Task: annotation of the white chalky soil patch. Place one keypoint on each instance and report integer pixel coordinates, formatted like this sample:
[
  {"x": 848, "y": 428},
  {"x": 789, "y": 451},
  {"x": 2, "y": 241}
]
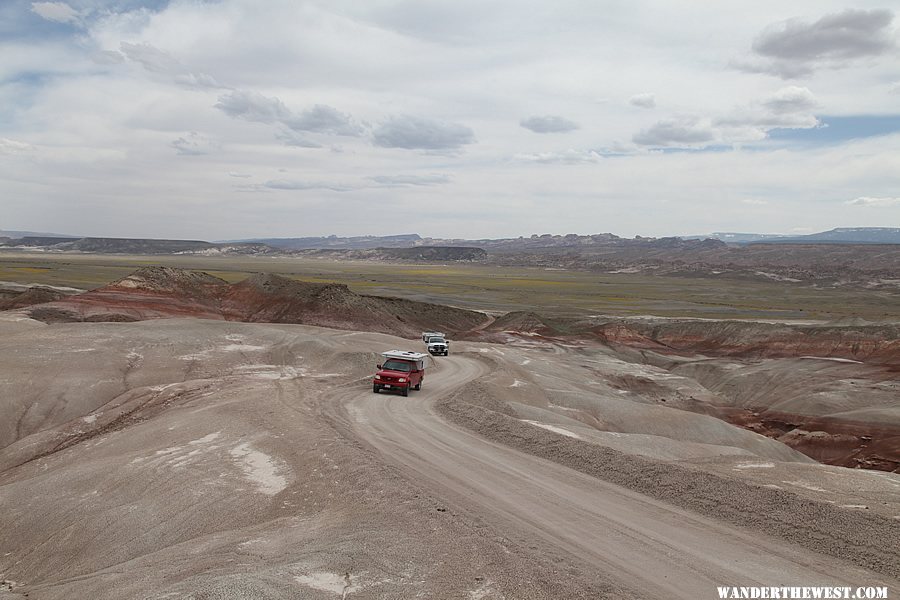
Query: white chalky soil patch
[
  {"x": 554, "y": 429},
  {"x": 242, "y": 348},
  {"x": 485, "y": 590},
  {"x": 260, "y": 468},
  {"x": 833, "y": 359},
  {"x": 805, "y": 485},
  {"x": 272, "y": 371},
  {"x": 205, "y": 439},
  {"x": 325, "y": 582}
]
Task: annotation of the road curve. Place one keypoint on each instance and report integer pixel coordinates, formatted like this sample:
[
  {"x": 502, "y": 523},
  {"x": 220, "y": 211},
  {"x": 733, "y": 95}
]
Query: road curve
[{"x": 653, "y": 548}]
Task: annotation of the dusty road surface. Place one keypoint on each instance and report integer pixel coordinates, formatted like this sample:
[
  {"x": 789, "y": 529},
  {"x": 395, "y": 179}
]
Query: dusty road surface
[
  {"x": 183, "y": 458},
  {"x": 652, "y": 548}
]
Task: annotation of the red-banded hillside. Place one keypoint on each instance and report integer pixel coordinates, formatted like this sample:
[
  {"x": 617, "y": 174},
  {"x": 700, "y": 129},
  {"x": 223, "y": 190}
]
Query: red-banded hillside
[{"x": 161, "y": 292}]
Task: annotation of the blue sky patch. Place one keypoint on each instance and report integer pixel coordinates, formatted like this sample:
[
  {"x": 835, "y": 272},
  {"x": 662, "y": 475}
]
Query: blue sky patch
[{"x": 840, "y": 129}]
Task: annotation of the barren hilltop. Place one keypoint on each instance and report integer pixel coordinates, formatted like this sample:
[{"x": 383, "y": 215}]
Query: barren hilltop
[{"x": 158, "y": 292}]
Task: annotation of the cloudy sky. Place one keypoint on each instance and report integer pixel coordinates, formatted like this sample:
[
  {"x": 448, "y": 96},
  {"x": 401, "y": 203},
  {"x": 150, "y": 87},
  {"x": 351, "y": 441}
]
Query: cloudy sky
[{"x": 449, "y": 118}]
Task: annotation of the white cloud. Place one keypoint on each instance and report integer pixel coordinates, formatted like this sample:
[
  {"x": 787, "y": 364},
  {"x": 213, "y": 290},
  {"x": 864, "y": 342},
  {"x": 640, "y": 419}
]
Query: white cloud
[
  {"x": 296, "y": 139},
  {"x": 751, "y": 123},
  {"x": 566, "y": 157},
  {"x": 108, "y": 57},
  {"x": 849, "y": 34},
  {"x": 158, "y": 61},
  {"x": 152, "y": 58},
  {"x": 874, "y": 202},
  {"x": 791, "y": 99},
  {"x": 294, "y": 128},
  {"x": 679, "y": 131},
  {"x": 783, "y": 69},
  {"x": 253, "y": 106},
  {"x": 8, "y": 146},
  {"x": 786, "y": 108},
  {"x": 288, "y": 184},
  {"x": 59, "y": 12},
  {"x": 420, "y": 133},
  {"x": 324, "y": 119},
  {"x": 796, "y": 47},
  {"x": 410, "y": 180},
  {"x": 549, "y": 124},
  {"x": 643, "y": 100},
  {"x": 194, "y": 144},
  {"x": 197, "y": 80}
]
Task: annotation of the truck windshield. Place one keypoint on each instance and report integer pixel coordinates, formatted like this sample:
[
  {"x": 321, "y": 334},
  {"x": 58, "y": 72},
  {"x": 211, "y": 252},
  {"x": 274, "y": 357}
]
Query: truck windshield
[
  {"x": 435, "y": 340},
  {"x": 397, "y": 365}
]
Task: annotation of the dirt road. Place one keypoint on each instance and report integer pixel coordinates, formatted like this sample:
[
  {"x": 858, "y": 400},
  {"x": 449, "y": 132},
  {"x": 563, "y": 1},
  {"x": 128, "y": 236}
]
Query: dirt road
[
  {"x": 196, "y": 459},
  {"x": 655, "y": 549}
]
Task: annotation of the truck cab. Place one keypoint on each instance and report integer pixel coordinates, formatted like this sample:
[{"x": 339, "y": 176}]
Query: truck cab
[
  {"x": 438, "y": 344},
  {"x": 401, "y": 371}
]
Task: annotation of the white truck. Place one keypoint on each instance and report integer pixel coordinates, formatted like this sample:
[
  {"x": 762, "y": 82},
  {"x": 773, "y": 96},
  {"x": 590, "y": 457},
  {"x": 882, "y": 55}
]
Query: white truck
[{"x": 436, "y": 342}]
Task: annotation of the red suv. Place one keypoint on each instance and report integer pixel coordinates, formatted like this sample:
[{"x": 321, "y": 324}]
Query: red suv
[{"x": 401, "y": 371}]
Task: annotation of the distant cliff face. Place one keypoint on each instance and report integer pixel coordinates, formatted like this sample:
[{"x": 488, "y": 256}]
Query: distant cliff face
[{"x": 133, "y": 246}]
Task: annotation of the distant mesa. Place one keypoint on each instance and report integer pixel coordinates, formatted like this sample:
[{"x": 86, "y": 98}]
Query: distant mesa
[
  {"x": 335, "y": 242},
  {"x": 438, "y": 253},
  {"x": 868, "y": 256},
  {"x": 384, "y": 244},
  {"x": 416, "y": 254},
  {"x": 21, "y": 234},
  {"x": 133, "y": 246},
  {"x": 840, "y": 235},
  {"x": 848, "y": 235},
  {"x": 676, "y": 243}
]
